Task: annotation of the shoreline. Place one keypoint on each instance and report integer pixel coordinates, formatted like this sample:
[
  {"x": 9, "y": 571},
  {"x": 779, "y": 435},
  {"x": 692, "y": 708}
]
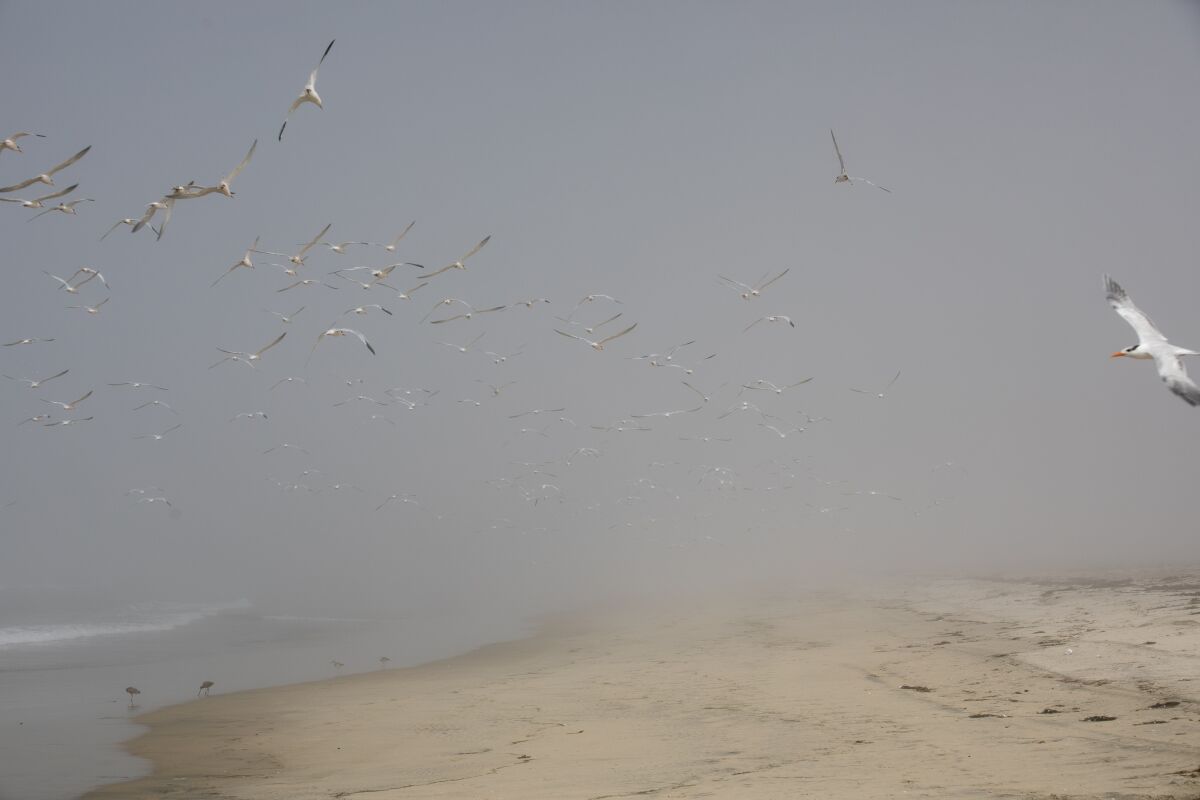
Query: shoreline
[{"x": 953, "y": 689}]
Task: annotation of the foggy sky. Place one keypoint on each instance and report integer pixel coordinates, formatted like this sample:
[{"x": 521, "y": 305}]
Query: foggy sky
[{"x": 636, "y": 150}]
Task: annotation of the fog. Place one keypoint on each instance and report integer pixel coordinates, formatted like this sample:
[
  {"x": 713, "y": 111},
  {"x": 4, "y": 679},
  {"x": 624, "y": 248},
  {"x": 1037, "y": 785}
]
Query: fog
[{"x": 633, "y": 150}]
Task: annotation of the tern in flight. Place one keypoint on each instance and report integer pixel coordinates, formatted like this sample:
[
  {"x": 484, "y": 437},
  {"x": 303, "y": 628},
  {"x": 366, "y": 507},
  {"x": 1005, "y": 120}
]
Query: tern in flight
[
  {"x": 461, "y": 263},
  {"x": 1153, "y": 344},
  {"x": 91, "y": 273},
  {"x": 66, "y": 208},
  {"x": 64, "y": 284},
  {"x": 223, "y": 186},
  {"x": 363, "y": 310},
  {"x": 244, "y": 262},
  {"x": 40, "y": 202},
  {"x": 11, "y": 142},
  {"x": 71, "y": 405},
  {"x": 67, "y": 421},
  {"x": 749, "y": 292},
  {"x": 882, "y": 394},
  {"x": 158, "y": 437},
  {"x": 165, "y": 205},
  {"x": 139, "y": 385},
  {"x": 597, "y": 346},
  {"x": 287, "y": 318},
  {"x": 391, "y": 248},
  {"x": 248, "y": 358},
  {"x": 35, "y": 384},
  {"x": 309, "y": 93},
  {"x": 25, "y": 341},
  {"x": 770, "y": 318},
  {"x": 298, "y": 258},
  {"x": 465, "y": 347},
  {"x": 92, "y": 309},
  {"x": 408, "y": 293},
  {"x": 130, "y": 221},
  {"x": 45, "y": 177},
  {"x": 842, "y": 176},
  {"x": 342, "y": 332}
]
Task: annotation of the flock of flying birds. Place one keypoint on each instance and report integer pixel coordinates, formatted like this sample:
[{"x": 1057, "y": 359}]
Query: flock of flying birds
[{"x": 575, "y": 324}]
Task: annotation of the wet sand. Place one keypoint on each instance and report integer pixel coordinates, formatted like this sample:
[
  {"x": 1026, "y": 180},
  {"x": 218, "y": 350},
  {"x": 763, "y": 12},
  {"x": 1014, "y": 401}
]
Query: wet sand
[{"x": 953, "y": 688}]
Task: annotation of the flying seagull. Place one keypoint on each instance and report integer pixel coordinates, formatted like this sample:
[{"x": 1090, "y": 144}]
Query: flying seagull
[
  {"x": 11, "y": 142},
  {"x": 842, "y": 176},
  {"x": 600, "y": 344},
  {"x": 461, "y": 263},
  {"x": 248, "y": 358},
  {"x": 309, "y": 93},
  {"x": 45, "y": 177},
  {"x": 1152, "y": 344},
  {"x": 40, "y": 202},
  {"x": 749, "y": 292}
]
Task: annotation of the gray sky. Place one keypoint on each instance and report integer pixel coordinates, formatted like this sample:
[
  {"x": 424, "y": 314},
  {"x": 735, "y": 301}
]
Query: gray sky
[{"x": 636, "y": 150}]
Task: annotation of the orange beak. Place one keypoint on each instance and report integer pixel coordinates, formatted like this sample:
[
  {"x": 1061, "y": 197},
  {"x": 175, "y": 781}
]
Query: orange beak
[{"x": 1118, "y": 354}]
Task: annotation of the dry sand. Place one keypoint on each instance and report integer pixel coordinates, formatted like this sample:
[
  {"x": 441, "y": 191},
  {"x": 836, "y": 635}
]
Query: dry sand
[{"x": 954, "y": 689}]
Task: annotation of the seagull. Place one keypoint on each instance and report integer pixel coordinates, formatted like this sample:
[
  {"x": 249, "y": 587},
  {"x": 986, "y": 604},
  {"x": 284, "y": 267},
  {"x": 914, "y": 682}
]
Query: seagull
[
  {"x": 45, "y": 177},
  {"x": 64, "y": 284},
  {"x": 298, "y": 258},
  {"x": 362, "y": 310},
  {"x": 245, "y": 262},
  {"x": 286, "y": 446},
  {"x": 309, "y": 94},
  {"x": 496, "y": 390},
  {"x": 404, "y": 497},
  {"x": 667, "y": 414},
  {"x": 703, "y": 397},
  {"x": 158, "y": 437},
  {"x": 92, "y": 309},
  {"x": 342, "y": 332},
  {"x": 25, "y": 341},
  {"x": 408, "y": 293},
  {"x": 529, "y": 303},
  {"x": 466, "y": 347},
  {"x": 66, "y": 208},
  {"x": 71, "y": 405},
  {"x": 223, "y": 186},
  {"x": 340, "y": 248},
  {"x": 500, "y": 358},
  {"x": 1153, "y": 344},
  {"x": 763, "y": 383},
  {"x": 68, "y": 422},
  {"x": 35, "y": 384},
  {"x": 471, "y": 310},
  {"x": 138, "y": 385},
  {"x": 770, "y": 318},
  {"x": 130, "y": 221},
  {"x": 38, "y": 418},
  {"x": 166, "y": 205},
  {"x": 206, "y": 685},
  {"x": 157, "y": 403},
  {"x": 778, "y": 432},
  {"x": 91, "y": 273},
  {"x": 597, "y": 346},
  {"x": 40, "y": 202},
  {"x": 461, "y": 263},
  {"x": 287, "y": 318},
  {"x": 749, "y": 292},
  {"x": 594, "y": 328},
  {"x": 288, "y": 380},
  {"x": 391, "y": 248},
  {"x": 842, "y": 176},
  {"x": 250, "y": 415},
  {"x": 248, "y": 358},
  {"x": 306, "y": 282},
  {"x": 11, "y": 142},
  {"x": 881, "y": 395}
]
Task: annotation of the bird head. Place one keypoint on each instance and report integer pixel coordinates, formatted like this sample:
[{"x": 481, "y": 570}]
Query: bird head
[{"x": 1131, "y": 351}]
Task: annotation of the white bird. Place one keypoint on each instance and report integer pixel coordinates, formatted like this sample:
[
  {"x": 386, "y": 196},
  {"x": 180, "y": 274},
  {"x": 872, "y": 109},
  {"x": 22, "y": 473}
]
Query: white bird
[
  {"x": 408, "y": 293},
  {"x": 1153, "y": 344},
  {"x": 764, "y": 384},
  {"x": 67, "y": 421},
  {"x": 40, "y": 202},
  {"x": 363, "y": 310},
  {"x": 466, "y": 347},
  {"x": 158, "y": 437},
  {"x": 309, "y": 93},
  {"x": 471, "y": 311},
  {"x": 880, "y": 395},
  {"x": 391, "y": 248},
  {"x": 288, "y": 380},
  {"x": 749, "y": 292},
  {"x": 248, "y": 358},
  {"x": 64, "y": 284},
  {"x": 496, "y": 390},
  {"x": 770, "y": 318},
  {"x": 286, "y": 446},
  {"x": 92, "y": 309},
  {"x": 223, "y": 186},
  {"x": 130, "y": 221},
  {"x": 91, "y": 274},
  {"x": 781, "y": 433},
  {"x": 11, "y": 142},
  {"x": 37, "y": 418},
  {"x": 500, "y": 358},
  {"x": 157, "y": 404},
  {"x": 842, "y": 176},
  {"x": 71, "y": 405},
  {"x": 245, "y": 262},
  {"x": 340, "y": 247},
  {"x": 530, "y": 302},
  {"x": 342, "y": 332},
  {"x": 667, "y": 414},
  {"x": 166, "y": 205},
  {"x": 594, "y": 328},
  {"x": 34, "y": 384},
  {"x": 597, "y": 346},
  {"x": 287, "y": 318},
  {"x": 298, "y": 258},
  {"x": 139, "y": 385},
  {"x": 461, "y": 263},
  {"x": 306, "y": 282},
  {"x": 404, "y": 497},
  {"x": 66, "y": 208},
  {"x": 25, "y": 341},
  {"x": 250, "y": 415},
  {"x": 45, "y": 177}
]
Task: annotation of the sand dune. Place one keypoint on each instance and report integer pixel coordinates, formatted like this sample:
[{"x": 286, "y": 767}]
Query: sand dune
[{"x": 953, "y": 689}]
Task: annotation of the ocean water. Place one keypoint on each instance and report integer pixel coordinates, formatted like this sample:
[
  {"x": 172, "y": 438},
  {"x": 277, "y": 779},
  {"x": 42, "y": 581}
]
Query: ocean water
[{"x": 63, "y": 707}]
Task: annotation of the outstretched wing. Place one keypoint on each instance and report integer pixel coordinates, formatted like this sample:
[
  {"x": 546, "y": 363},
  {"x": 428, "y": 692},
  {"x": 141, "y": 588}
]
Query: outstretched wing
[
  {"x": 70, "y": 160},
  {"x": 838, "y": 150},
  {"x": 237, "y": 170},
  {"x": 1145, "y": 329},
  {"x": 1171, "y": 370}
]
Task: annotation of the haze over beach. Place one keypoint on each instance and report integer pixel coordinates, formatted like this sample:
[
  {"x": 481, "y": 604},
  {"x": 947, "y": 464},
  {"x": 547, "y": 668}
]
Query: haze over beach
[{"x": 916, "y": 382}]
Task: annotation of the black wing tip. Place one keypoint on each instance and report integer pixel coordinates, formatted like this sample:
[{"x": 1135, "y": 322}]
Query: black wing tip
[
  {"x": 372, "y": 349},
  {"x": 281, "y": 127}
]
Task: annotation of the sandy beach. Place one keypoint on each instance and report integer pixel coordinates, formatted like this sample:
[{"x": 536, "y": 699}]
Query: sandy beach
[{"x": 1067, "y": 688}]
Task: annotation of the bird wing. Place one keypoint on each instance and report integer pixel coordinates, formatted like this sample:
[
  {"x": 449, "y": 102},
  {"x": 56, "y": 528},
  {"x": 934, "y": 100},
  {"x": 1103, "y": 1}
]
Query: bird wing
[
  {"x": 752, "y": 324},
  {"x": 361, "y": 338},
  {"x": 315, "y": 239},
  {"x": 616, "y": 335},
  {"x": 403, "y": 233},
  {"x": 52, "y": 377},
  {"x": 278, "y": 339},
  {"x": 116, "y": 225},
  {"x": 327, "y": 49},
  {"x": 238, "y": 169},
  {"x": 838, "y": 150},
  {"x": 1174, "y": 375},
  {"x": 571, "y": 335},
  {"x": 70, "y": 160},
  {"x": 1145, "y": 329},
  {"x": 738, "y": 284},
  {"x": 762, "y": 286},
  {"x": 162, "y": 228},
  {"x": 89, "y": 394},
  {"x": 59, "y": 193},
  {"x": 872, "y": 183},
  {"x": 476, "y": 248},
  {"x": 18, "y": 186}
]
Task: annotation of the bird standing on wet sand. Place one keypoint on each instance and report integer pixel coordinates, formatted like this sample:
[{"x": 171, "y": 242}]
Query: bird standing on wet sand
[
  {"x": 204, "y": 687},
  {"x": 131, "y": 691}
]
